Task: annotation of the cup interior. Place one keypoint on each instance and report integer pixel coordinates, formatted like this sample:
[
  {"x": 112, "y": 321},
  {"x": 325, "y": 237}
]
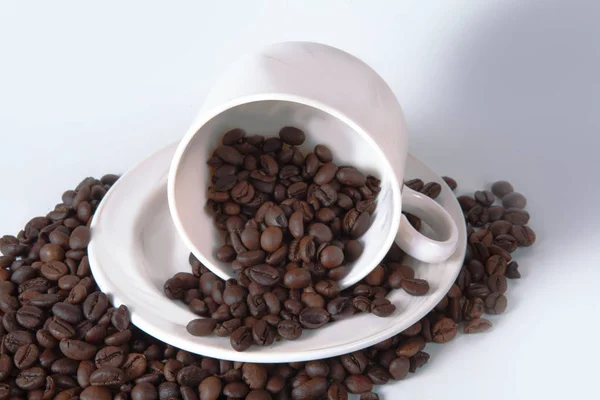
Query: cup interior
[{"x": 190, "y": 175}]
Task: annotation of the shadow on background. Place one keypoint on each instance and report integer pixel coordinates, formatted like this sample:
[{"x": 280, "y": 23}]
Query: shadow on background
[{"x": 522, "y": 97}]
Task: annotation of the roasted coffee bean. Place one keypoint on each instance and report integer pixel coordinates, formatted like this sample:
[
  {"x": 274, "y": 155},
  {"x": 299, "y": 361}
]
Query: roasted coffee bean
[
  {"x": 297, "y": 278},
  {"x": 292, "y": 136},
  {"x": 466, "y": 203},
  {"x": 450, "y": 182},
  {"x": 331, "y": 257},
  {"x": 523, "y": 235},
  {"x": 224, "y": 254},
  {"x": 314, "y": 388},
  {"x": 358, "y": 384},
  {"x": 323, "y": 153},
  {"x": 355, "y": 363},
  {"x": 95, "y": 305},
  {"x": 15, "y": 339},
  {"x": 350, "y": 176},
  {"x": 444, "y": 330},
  {"x": 67, "y": 312},
  {"x": 418, "y": 360},
  {"x": 432, "y": 189},
  {"x": 473, "y": 308},
  {"x": 77, "y": 350},
  {"x": 415, "y": 287},
  {"x": 514, "y": 200},
  {"x": 110, "y": 356},
  {"x": 31, "y": 379},
  {"x": 191, "y": 376},
  {"x": 477, "y": 270},
  {"x": 477, "y": 325},
  {"x": 484, "y": 197},
  {"x": 107, "y": 376},
  {"x": 478, "y": 216},
  {"x": 502, "y": 188},
  {"x": 477, "y": 290},
  {"x": 512, "y": 270},
  {"x": 241, "y": 339},
  {"x": 506, "y": 242},
  {"x": 250, "y": 258},
  {"x": 25, "y": 357},
  {"x": 382, "y": 307},
  {"x": 80, "y": 238},
  {"x": 495, "y": 303},
  {"x": 263, "y": 274},
  {"x": 495, "y": 213},
  {"x": 497, "y": 283},
  {"x": 337, "y": 391},
  {"x": 516, "y": 216},
  {"x": 495, "y": 265},
  {"x": 481, "y": 236},
  {"x": 29, "y": 316},
  {"x": 289, "y": 330},
  {"x": 120, "y": 318},
  {"x": 84, "y": 370},
  {"x": 313, "y": 318},
  {"x": 271, "y": 238}
]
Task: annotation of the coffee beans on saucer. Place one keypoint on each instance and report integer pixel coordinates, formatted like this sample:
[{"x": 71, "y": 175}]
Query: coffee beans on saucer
[{"x": 61, "y": 338}]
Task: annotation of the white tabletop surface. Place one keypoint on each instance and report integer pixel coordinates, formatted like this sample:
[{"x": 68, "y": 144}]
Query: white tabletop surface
[{"x": 491, "y": 90}]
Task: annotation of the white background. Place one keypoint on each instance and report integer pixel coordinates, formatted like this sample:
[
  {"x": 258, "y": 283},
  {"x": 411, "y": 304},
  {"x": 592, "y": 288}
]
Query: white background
[{"x": 490, "y": 89}]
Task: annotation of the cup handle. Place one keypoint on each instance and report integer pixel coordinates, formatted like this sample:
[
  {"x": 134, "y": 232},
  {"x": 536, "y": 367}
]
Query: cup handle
[{"x": 417, "y": 245}]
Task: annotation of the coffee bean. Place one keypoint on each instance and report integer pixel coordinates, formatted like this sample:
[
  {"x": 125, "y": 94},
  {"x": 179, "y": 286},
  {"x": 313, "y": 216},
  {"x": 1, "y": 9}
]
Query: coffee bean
[
  {"x": 473, "y": 308},
  {"x": 477, "y": 325},
  {"x": 31, "y": 379},
  {"x": 444, "y": 330},
  {"x": 358, "y": 384},
  {"x": 323, "y": 153},
  {"x": 77, "y": 350},
  {"x": 502, "y": 188},
  {"x": 495, "y": 265},
  {"x": 450, "y": 182},
  {"x": 481, "y": 236},
  {"x": 497, "y": 283},
  {"x": 516, "y": 216},
  {"x": 484, "y": 197},
  {"x": 210, "y": 388},
  {"x": 478, "y": 216},
  {"x": 80, "y": 238},
  {"x": 382, "y": 307},
  {"x": 495, "y": 303},
  {"x": 415, "y": 287},
  {"x": 466, "y": 203},
  {"x": 512, "y": 270},
  {"x": 331, "y": 257},
  {"x": 289, "y": 330},
  {"x": 311, "y": 389},
  {"x": 325, "y": 174},
  {"x": 432, "y": 189},
  {"x": 25, "y": 357},
  {"x": 477, "y": 290},
  {"x": 292, "y": 136},
  {"x": 107, "y": 376},
  {"x": 523, "y": 235},
  {"x": 95, "y": 305},
  {"x": 110, "y": 356},
  {"x": 236, "y": 390},
  {"x": 241, "y": 339},
  {"x": 191, "y": 376},
  {"x": 29, "y": 316},
  {"x": 250, "y": 258},
  {"x": 514, "y": 200},
  {"x": 96, "y": 393},
  {"x": 120, "y": 318},
  {"x": 297, "y": 278}
]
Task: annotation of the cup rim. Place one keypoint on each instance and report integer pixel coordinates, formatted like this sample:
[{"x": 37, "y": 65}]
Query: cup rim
[{"x": 206, "y": 115}]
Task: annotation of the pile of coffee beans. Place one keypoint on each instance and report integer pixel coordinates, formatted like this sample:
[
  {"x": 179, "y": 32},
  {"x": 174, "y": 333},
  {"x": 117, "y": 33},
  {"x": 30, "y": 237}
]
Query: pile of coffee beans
[
  {"x": 284, "y": 213},
  {"x": 62, "y": 339},
  {"x": 288, "y": 247}
]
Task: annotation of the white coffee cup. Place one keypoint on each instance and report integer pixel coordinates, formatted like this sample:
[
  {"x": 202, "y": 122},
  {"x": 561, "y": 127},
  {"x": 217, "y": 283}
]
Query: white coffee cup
[{"x": 337, "y": 100}]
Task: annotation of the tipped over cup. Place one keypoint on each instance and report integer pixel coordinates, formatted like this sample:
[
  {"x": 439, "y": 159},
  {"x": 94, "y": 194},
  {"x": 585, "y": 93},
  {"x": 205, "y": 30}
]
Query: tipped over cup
[{"x": 338, "y": 101}]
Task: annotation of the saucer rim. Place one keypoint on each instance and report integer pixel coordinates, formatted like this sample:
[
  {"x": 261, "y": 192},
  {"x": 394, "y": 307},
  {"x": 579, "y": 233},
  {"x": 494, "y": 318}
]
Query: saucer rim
[{"x": 142, "y": 321}]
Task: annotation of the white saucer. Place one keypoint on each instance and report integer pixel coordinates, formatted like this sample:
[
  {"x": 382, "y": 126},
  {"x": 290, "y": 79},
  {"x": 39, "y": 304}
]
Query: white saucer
[{"x": 135, "y": 249}]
